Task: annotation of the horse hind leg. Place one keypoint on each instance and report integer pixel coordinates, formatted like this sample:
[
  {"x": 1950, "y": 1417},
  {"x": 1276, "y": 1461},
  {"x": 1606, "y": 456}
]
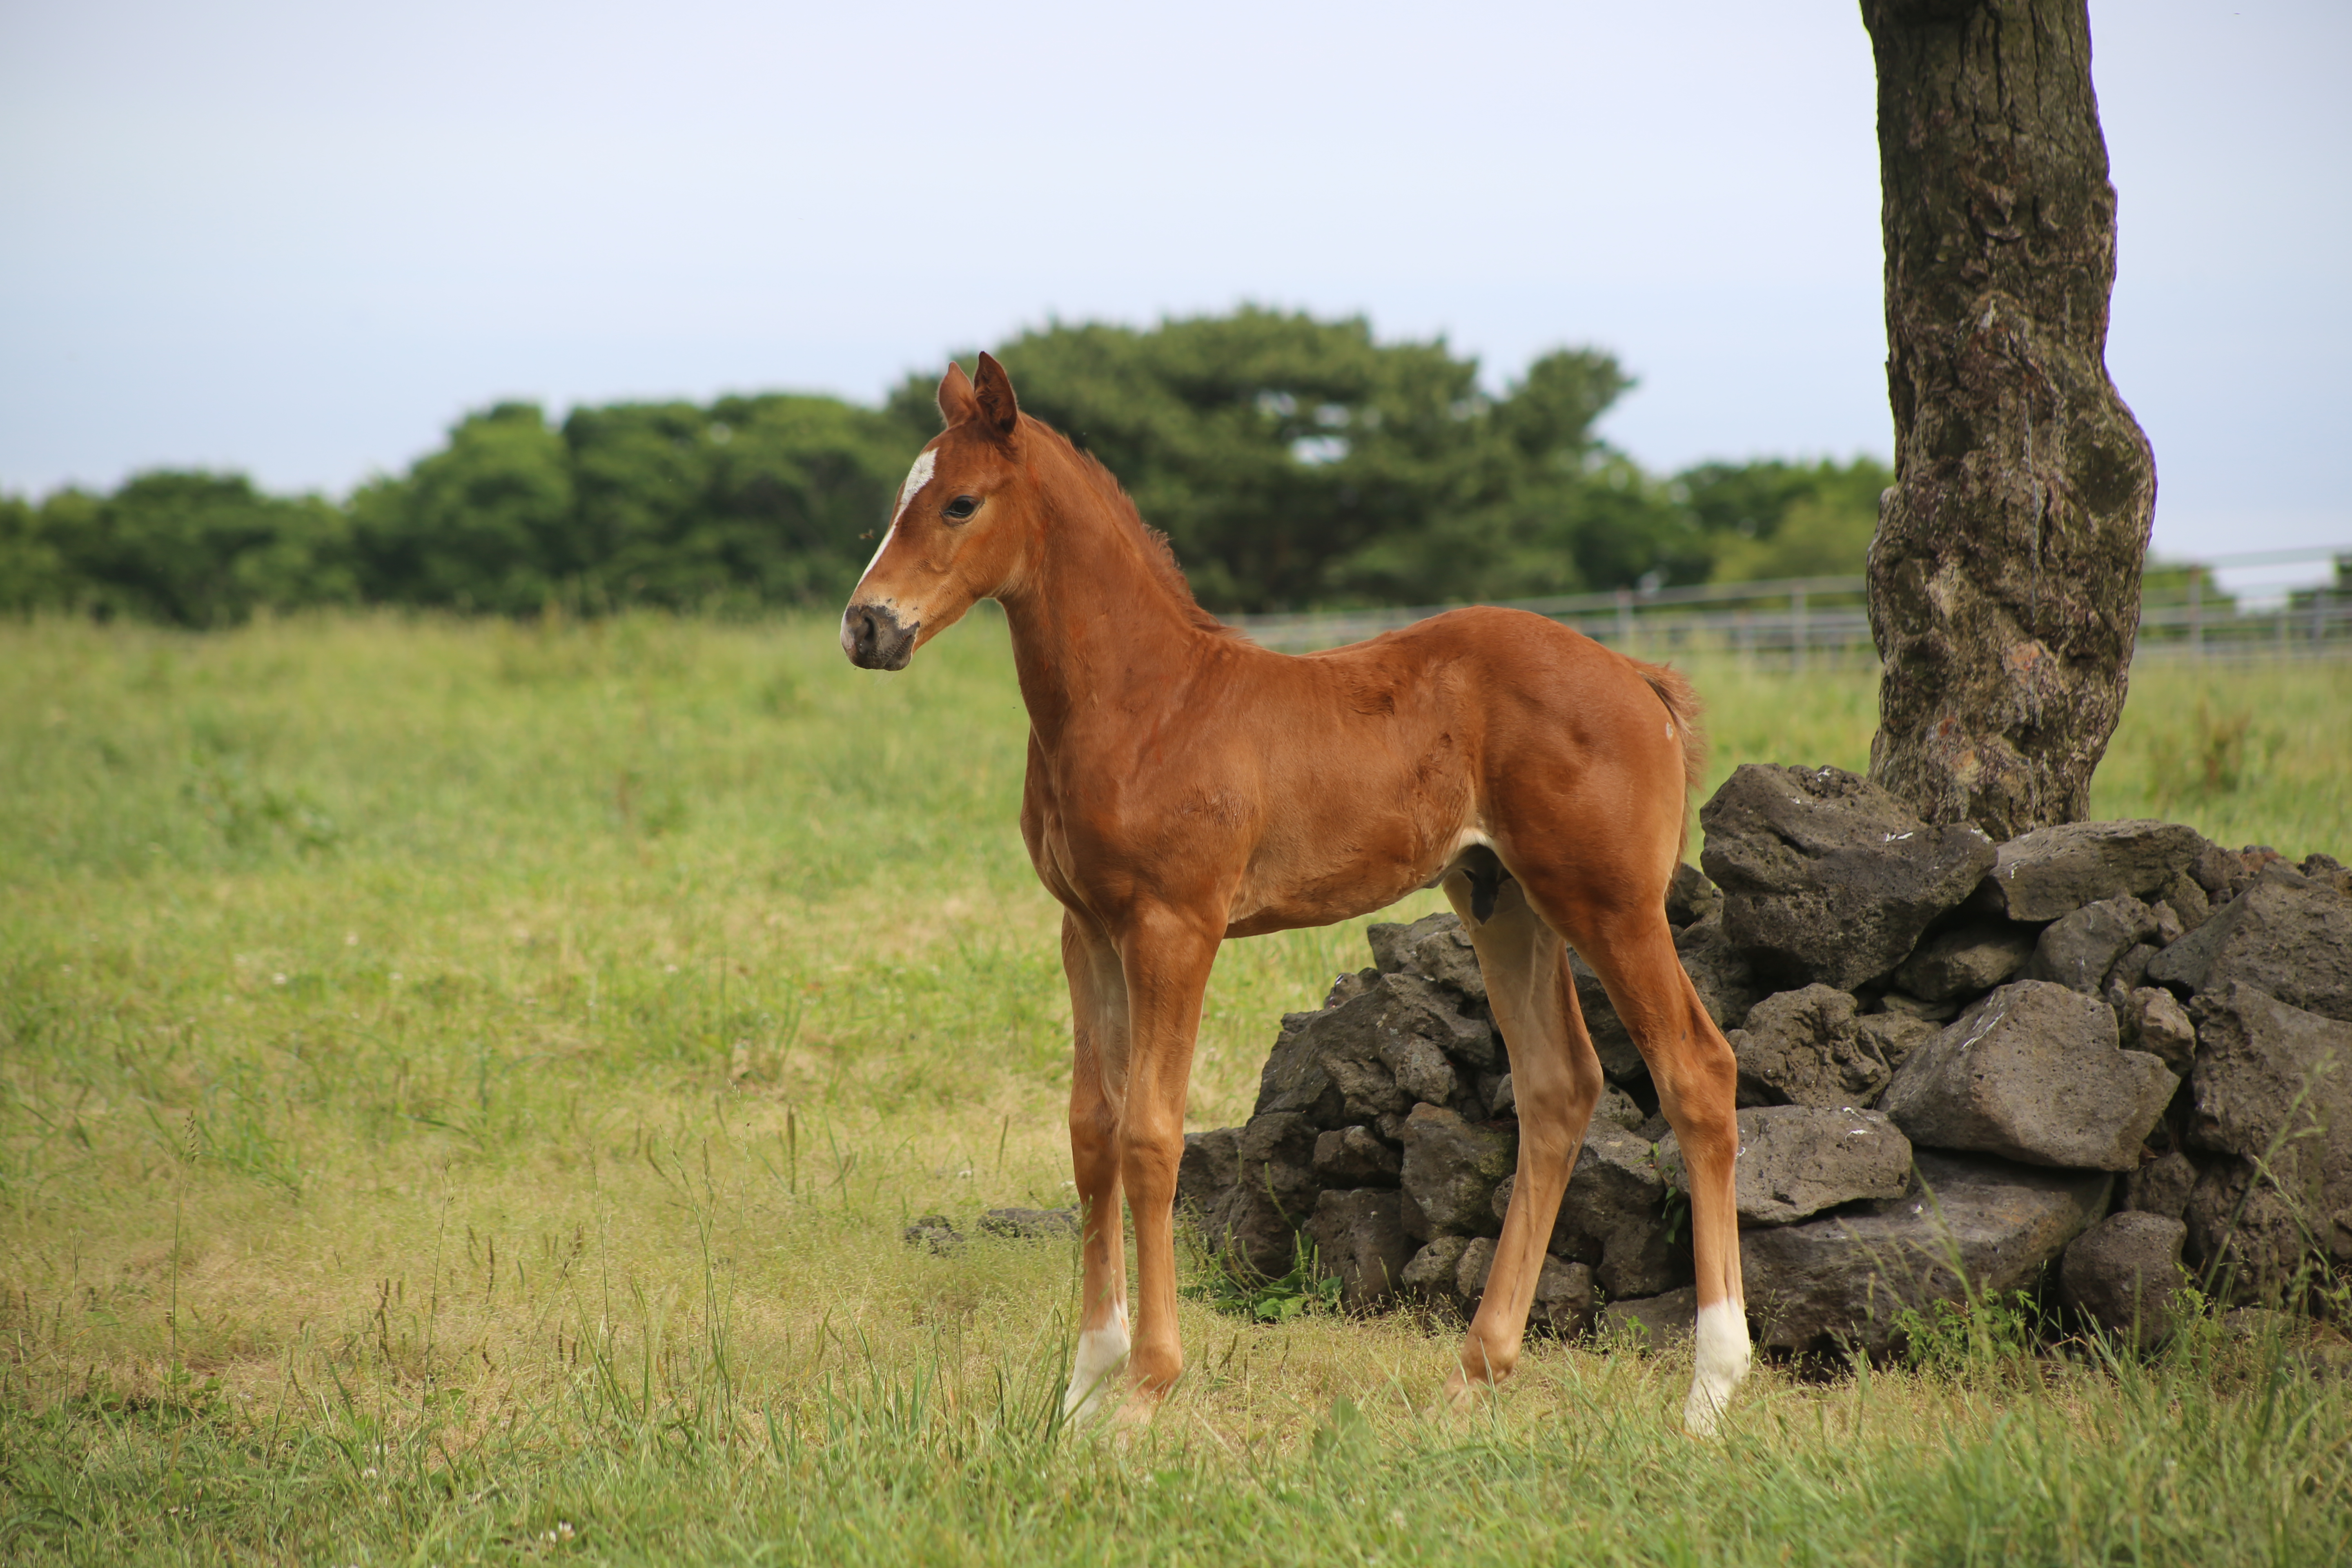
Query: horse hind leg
[
  {"x": 1556, "y": 1081},
  {"x": 1696, "y": 1077}
]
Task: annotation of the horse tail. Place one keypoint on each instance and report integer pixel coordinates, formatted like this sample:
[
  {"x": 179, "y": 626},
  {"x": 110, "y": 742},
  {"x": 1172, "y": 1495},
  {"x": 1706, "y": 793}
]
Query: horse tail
[{"x": 1683, "y": 708}]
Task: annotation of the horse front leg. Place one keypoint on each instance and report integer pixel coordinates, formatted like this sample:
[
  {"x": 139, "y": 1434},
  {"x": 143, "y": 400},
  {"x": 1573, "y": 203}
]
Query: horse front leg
[
  {"x": 1099, "y": 1014},
  {"x": 1167, "y": 955}
]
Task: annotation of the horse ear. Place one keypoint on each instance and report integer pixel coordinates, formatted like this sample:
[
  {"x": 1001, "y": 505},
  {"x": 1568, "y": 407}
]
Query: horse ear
[
  {"x": 955, "y": 395},
  {"x": 992, "y": 391}
]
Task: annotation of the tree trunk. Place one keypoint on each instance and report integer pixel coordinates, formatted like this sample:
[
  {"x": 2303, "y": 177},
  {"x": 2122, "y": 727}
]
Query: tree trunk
[{"x": 2004, "y": 579}]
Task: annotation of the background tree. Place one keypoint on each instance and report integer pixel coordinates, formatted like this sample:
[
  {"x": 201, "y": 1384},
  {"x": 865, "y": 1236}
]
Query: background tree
[
  {"x": 2004, "y": 579},
  {"x": 1296, "y": 462},
  {"x": 187, "y": 548}
]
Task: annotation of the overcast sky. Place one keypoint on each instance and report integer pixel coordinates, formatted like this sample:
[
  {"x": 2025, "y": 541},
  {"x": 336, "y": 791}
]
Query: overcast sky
[{"x": 300, "y": 239}]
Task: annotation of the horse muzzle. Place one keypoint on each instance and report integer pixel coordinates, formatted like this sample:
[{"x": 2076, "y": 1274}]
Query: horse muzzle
[{"x": 875, "y": 638}]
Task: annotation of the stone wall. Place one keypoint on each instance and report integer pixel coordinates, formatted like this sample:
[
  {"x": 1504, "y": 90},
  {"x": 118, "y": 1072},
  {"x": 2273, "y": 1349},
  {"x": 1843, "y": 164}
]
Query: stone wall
[{"x": 2112, "y": 1047}]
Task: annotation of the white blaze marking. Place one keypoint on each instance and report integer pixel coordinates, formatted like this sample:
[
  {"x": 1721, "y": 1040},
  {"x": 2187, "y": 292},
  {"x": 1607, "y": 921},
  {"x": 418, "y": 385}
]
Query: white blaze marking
[
  {"x": 1101, "y": 1353},
  {"x": 917, "y": 478},
  {"x": 1722, "y": 1363}
]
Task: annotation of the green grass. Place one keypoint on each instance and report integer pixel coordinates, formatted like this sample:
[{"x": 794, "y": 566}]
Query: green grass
[{"x": 460, "y": 1081}]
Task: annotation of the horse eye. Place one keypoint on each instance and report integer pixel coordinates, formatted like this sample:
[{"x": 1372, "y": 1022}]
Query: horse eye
[{"x": 961, "y": 509}]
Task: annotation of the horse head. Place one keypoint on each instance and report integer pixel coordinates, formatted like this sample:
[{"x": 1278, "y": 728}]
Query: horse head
[{"x": 960, "y": 533}]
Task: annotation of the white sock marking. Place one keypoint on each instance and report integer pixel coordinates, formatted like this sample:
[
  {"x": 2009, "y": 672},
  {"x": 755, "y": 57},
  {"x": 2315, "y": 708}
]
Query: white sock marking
[
  {"x": 1094, "y": 1378},
  {"x": 1722, "y": 1363}
]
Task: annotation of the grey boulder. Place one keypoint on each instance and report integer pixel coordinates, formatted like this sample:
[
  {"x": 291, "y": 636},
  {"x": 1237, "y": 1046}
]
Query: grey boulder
[
  {"x": 1431, "y": 1274},
  {"x": 2161, "y": 1186},
  {"x": 1435, "y": 947},
  {"x": 1377, "y": 1053},
  {"x": 1722, "y": 976},
  {"x": 2077, "y": 950},
  {"x": 1359, "y": 1236},
  {"x": 2151, "y": 1020},
  {"x": 1844, "y": 1278},
  {"x": 1807, "y": 1047},
  {"x": 2051, "y": 871},
  {"x": 1966, "y": 960},
  {"x": 2033, "y": 1073},
  {"x": 1690, "y": 896},
  {"x": 1827, "y": 877},
  {"x": 1796, "y": 1160},
  {"x": 2273, "y": 1084},
  {"x": 1252, "y": 1187},
  {"x": 1653, "y": 1322},
  {"x": 2124, "y": 1274},
  {"x": 1353, "y": 1157},
  {"x": 1451, "y": 1169},
  {"x": 2289, "y": 935},
  {"x": 1613, "y": 1216}
]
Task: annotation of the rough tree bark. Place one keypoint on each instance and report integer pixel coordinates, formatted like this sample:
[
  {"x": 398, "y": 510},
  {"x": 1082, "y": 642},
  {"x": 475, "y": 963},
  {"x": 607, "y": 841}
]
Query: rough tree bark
[{"x": 2004, "y": 579}]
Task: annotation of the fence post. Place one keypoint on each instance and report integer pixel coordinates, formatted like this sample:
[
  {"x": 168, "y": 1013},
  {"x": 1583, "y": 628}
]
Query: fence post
[
  {"x": 2196, "y": 613},
  {"x": 1625, "y": 620},
  {"x": 1796, "y": 629},
  {"x": 2318, "y": 620}
]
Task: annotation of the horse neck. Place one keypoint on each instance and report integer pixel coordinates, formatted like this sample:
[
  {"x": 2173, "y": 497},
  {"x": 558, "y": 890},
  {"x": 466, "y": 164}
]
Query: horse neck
[{"x": 1093, "y": 623}]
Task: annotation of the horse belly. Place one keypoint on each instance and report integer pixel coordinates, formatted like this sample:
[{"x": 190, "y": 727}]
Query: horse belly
[{"x": 1345, "y": 845}]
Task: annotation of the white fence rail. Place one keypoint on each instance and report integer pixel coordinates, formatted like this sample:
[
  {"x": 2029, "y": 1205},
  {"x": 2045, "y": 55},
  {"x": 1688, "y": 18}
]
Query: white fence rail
[{"x": 1792, "y": 622}]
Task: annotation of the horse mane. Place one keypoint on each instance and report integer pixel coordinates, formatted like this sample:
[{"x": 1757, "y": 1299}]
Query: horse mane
[{"x": 1158, "y": 555}]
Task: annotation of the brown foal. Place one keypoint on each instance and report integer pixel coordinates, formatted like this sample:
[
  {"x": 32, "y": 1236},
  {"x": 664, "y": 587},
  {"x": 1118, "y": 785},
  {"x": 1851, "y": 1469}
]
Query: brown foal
[{"x": 1186, "y": 785}]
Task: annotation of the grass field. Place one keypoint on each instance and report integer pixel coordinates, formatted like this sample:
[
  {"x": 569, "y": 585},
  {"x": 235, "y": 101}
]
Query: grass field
[{"x": 461, "y": 1085}]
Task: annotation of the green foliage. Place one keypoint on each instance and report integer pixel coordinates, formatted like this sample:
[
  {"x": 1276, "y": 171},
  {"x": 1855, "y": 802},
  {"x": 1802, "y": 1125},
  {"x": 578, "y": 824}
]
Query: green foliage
[
  {"x": 1979, "y": 1335},
  {"x": 1232, "y": 1287},
  {"x": 1296, "y": 462},
  {"x": 189, "y": 549},
  {"x": 1773, "y": 519},
  {"x": 1293, "y": 462}
]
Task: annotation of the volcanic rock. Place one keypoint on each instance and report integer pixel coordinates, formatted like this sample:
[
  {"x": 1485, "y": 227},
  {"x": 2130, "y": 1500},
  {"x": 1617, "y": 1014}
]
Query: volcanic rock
[
  {"x": 1355, "y": 1157},
  {"x": 1451, "y": 1169},
  {"x": 1613, "y": 1215},
  {"x": 2124, "y": 1274},
  {"x": 1377, "y": 1053},
  {"x": 1435, "y": 947},
  {"x": 2161, "y": 1186},
  {"x": 1359, "y": 1236},
  {"x": 2077, "y": 950},
  {"x": 2051, "y": 871},
  {"x": 1966, "y": 960},
  {"x": 1827, "y": 877},
  {"x": 1564, "y": 1298},
  {"x": 1654, "y": 1322},
  {"x": 2252, "y": 1241},
  {"x": 1843, "y": 1278},
  {"x": 1431, "y": 1276},
  {"x": 1806, "y": 1047},
  {"x": 2152, "y": 1021},
  {"x": 1892, "y": 1036},
  {"x": 2033, "y": 1073},
  {"x": 1690, "y": 896},
  {"x": 1725, "y": 980},
  {"x": 2288, "y": 936},
  {"x": 2272, "y": 1083},
  {"x": 1797, "y": 1160}
]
